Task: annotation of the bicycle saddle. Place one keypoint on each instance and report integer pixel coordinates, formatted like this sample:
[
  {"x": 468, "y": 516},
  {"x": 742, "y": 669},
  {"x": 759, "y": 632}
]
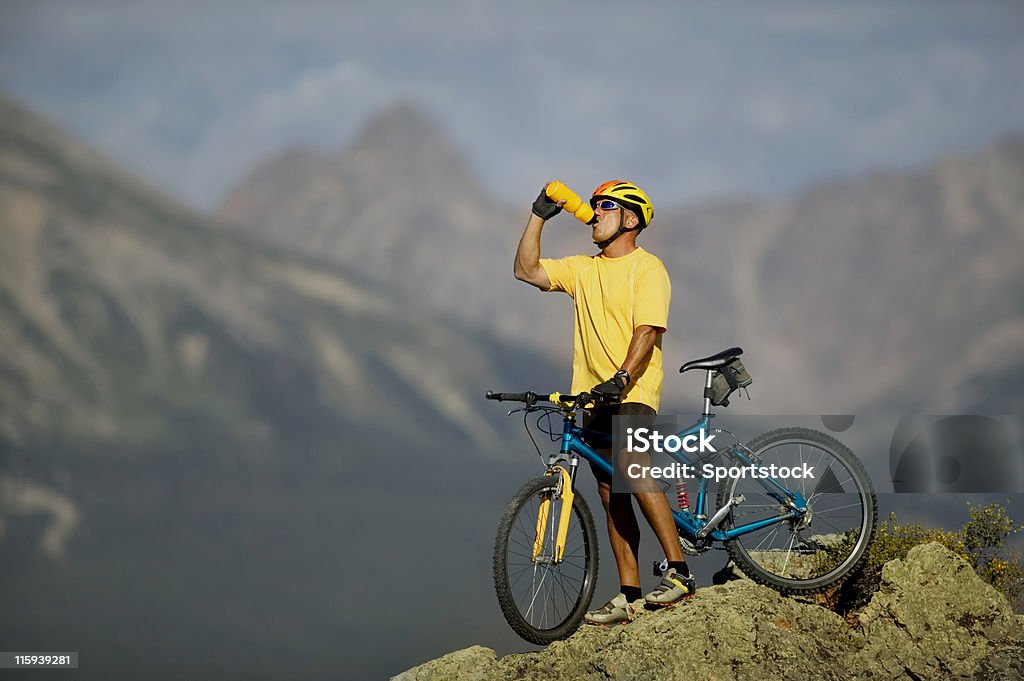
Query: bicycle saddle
[{"x": 716, "y": 361}]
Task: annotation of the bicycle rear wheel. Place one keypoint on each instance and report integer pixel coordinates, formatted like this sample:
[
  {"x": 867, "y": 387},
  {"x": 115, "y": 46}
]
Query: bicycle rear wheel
[
  {"x": 818, "y": 550},
  {"x": 544, "y": 600}
]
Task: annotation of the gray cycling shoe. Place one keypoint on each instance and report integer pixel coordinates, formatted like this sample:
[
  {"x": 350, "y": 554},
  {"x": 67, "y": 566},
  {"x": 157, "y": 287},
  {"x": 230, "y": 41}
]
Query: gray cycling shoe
[
  {"x": 614, "y": 611},
  {"x": 673, "y": 588}
]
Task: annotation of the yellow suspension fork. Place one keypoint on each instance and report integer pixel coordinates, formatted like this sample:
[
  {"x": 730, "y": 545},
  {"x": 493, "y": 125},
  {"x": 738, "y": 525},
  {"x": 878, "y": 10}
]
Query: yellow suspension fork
[{"x": 566, "y": 498}]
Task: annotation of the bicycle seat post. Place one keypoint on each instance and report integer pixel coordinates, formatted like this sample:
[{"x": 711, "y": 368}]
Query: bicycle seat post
[{"x": 707, "y": 393}]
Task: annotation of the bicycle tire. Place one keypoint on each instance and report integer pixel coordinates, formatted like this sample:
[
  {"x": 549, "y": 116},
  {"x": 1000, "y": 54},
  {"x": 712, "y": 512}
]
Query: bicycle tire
[
  {"x": 566, "y": 588},
  {"x": 823, "y": 560}
]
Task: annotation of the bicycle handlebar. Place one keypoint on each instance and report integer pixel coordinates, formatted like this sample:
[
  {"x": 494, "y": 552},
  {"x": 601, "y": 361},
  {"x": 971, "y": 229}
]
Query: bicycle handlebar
[{"x": 564, "y": 401}]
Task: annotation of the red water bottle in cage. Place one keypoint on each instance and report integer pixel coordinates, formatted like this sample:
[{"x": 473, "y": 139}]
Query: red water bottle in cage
[{"x": 682, "y": 496}]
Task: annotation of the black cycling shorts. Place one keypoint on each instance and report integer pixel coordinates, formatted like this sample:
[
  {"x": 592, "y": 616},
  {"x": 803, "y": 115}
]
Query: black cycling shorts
[{"x": 600, "y": 420}]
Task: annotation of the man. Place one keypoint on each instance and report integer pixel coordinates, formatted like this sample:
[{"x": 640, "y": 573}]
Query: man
[{"x": 621, "y": 299}]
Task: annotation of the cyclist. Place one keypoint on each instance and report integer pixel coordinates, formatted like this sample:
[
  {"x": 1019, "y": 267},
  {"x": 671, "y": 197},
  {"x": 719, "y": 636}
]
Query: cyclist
[{"x": 621, "y": 299}]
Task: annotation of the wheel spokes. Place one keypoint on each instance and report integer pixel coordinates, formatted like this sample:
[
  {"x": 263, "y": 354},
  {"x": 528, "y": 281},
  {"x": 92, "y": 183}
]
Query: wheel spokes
[
  {"x": 839, "y": 515},
  {"x": 554, "y": 589}
]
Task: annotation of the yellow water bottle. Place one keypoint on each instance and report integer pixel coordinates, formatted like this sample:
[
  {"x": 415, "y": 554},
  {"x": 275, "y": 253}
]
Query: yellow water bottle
[{"x": 557, "y": 191}]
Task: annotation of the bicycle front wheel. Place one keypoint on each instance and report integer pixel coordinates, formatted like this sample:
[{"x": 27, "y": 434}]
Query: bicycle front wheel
[
  {"x": 544, "y": 598},
  {"x": 818, "y": 549}
]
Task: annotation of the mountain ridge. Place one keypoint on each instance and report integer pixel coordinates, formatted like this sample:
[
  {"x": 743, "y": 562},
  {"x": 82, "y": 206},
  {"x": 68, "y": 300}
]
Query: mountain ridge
[
  {"x": 199, "y": 429},
  {"x": 892, "y": 254},
  {"x": 78, "y": 228}
]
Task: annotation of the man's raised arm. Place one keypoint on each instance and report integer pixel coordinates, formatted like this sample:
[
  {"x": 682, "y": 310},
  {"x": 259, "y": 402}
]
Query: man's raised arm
[{"x": 527, "y": 265}]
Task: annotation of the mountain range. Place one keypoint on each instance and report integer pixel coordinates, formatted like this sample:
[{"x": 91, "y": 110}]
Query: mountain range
[
  {"x": 206, "y": 438},
  {"x": 122, "y": 307},
  {"x": 895, "y": 290}
]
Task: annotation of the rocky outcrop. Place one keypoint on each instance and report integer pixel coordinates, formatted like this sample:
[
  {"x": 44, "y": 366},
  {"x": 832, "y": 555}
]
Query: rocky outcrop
[{"x": 932, "y": 618}]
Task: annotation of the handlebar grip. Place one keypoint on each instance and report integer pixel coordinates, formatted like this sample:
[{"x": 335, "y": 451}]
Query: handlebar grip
[
  {"x": 582, "y": 400},
  {"x": 506, "y": 397}
]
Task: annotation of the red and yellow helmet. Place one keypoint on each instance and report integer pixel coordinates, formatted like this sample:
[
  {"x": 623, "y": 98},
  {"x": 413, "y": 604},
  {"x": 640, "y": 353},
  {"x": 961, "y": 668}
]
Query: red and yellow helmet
[{"x": 628, "y": 195}]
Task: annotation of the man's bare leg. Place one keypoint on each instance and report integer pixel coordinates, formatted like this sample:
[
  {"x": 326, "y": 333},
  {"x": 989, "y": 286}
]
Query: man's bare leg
[
  {"x": 659, "y": 515},
  {"x": 655, "y": 508},
  {"x": 623, "y": 533}
]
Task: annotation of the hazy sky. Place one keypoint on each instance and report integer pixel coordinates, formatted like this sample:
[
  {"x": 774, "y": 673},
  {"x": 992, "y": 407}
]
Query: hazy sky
[{"x": 692, "y": 100}]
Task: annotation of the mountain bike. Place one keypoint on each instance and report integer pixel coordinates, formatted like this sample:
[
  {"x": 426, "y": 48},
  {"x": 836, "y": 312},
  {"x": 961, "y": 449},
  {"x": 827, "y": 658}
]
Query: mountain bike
[{"x": 798, "y": 536}]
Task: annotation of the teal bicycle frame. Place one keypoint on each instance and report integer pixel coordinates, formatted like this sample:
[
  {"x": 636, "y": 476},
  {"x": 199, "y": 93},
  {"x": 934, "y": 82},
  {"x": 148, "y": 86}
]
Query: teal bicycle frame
[{"x": 693, "y": 526}]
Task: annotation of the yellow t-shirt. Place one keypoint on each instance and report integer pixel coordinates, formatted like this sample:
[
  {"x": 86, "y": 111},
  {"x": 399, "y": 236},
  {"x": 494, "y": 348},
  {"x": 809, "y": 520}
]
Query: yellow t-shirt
[{"x": 612, "y": 297}]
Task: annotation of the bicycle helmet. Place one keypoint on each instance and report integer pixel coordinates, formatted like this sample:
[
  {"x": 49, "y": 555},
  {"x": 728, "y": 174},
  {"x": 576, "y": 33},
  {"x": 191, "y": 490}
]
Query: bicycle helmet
[{"x": 628, "y": 195}]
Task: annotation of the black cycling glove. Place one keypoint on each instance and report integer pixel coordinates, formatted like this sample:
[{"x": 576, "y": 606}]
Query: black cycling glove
[
  {"x": 544, "y": 207},
  {"x": 613, "y": 388}
]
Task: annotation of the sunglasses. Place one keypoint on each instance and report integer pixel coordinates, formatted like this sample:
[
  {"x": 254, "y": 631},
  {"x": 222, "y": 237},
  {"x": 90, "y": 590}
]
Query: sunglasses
[{"x": 604, "y": 204}]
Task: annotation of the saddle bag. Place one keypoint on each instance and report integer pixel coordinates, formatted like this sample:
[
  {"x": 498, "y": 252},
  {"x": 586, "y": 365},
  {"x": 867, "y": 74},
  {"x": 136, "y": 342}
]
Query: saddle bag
[{"x": 728, "y": 380}]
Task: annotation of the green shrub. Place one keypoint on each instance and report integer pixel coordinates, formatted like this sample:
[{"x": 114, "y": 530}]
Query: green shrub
[
  {"x": 981, "y": 542},
  {"x": 984, "y": 540}
]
